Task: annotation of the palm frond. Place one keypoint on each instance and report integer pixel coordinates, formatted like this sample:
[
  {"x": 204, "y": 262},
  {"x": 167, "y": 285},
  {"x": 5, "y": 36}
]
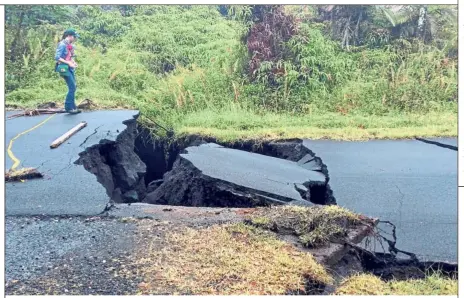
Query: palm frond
[{"x": 398, "y": 17}]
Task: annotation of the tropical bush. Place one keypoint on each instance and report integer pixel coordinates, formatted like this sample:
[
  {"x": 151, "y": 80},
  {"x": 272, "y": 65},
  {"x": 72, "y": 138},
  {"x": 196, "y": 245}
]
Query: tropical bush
[{"x": 178, "y": 59}]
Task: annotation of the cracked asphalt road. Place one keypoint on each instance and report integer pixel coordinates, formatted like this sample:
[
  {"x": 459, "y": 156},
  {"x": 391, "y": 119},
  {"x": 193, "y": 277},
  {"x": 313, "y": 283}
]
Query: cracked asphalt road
[
  {"x": 66, "y": 188},
  {"x": 411, "y": 183}
]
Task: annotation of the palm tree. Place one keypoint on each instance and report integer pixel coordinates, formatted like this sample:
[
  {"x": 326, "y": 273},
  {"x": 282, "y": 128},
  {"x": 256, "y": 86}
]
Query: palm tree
[
  {"x": 417, "y": 21},
  {"x": 352, "y": 23}
]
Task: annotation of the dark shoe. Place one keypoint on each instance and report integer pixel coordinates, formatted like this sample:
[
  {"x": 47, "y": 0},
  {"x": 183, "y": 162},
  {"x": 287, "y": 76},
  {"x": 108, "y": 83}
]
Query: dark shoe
[{"x": 73, "y": 111}]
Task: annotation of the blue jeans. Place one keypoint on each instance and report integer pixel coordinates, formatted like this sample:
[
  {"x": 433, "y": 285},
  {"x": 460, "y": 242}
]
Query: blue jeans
[{"x": 70, "y": 103}]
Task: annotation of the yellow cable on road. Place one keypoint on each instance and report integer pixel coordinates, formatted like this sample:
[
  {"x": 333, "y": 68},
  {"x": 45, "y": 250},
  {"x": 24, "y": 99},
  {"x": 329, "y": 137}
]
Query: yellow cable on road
[{"x": 10, "y": 153}]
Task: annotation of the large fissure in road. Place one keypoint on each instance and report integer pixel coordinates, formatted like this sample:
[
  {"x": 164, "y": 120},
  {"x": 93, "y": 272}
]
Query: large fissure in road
[
  {"x": 199, "y": 171},
  {"x": 116, "y": 166}
]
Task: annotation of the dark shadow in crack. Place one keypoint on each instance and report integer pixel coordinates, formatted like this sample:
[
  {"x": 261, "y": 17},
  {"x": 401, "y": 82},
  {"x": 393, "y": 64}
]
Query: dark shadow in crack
[{"x": 455, "y": 148}]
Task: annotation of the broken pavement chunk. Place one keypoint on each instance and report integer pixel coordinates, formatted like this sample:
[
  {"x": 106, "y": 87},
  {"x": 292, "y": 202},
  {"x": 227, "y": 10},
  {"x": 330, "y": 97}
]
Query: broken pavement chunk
[
  {"x": 117, "y": 166},
  {"x": 154, "y": 185},
  {"x": 305, "y": 159},
  {"x": 310, "y": 163},
  {"x": 213, "y": 175}
]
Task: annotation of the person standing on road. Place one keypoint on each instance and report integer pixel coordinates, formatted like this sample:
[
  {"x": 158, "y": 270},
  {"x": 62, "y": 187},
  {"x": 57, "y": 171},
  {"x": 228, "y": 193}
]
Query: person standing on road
[{"x": 66, "y": 66}]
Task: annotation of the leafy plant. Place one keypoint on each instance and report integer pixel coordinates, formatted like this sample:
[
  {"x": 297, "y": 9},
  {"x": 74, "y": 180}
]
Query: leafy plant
[{"x": 174, "y": 61}]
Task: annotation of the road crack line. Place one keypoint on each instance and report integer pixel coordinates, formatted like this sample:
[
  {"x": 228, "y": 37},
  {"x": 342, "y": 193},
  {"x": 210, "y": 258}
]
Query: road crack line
[
  {"x": 65, "y": 168},
  {"x": 87, "y": 138},
  {"x": 401, "y": 204},
  {"x": 451, "y": 147}
]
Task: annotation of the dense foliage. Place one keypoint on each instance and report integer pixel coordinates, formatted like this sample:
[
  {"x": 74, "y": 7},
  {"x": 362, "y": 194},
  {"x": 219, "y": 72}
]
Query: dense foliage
[{"x": 297, "y": 59}]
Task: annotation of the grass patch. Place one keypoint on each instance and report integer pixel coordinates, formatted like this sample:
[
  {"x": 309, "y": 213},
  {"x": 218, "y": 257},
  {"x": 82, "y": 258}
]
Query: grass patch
[
  {"x": 367, "y": 284},
  {"x": 235, "y": 123},
  {"x": 314, "y": 226},
  {"x": 226, "y": 260},
  {"x": 241, "y": 124}
]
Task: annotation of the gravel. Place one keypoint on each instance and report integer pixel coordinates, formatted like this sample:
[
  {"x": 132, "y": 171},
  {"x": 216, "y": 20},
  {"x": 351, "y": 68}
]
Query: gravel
[{"x": 77, "y": 248}]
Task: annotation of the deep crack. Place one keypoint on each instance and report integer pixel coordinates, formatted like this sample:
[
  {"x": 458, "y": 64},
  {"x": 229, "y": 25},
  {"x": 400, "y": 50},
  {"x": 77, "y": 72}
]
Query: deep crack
[
  {"x": 117, "y": 166},
  {"x": 401, "y": 204},
  {"x": 451, "y": 147},
  {"x": 392, "y": 243},
  {"x": 127, "y": 166}
]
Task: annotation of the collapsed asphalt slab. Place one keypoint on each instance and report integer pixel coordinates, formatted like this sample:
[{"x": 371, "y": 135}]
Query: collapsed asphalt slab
[
  {"x": 407, "y": 182},
  {"x": 67, "y": 188},
  {"x": 213, "y": 175},
  {"x": 100, "y": 163}
]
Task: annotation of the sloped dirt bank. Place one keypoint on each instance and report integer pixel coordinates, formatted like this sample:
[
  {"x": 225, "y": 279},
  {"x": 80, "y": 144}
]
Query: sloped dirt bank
[{"x": 120, "y": 254}]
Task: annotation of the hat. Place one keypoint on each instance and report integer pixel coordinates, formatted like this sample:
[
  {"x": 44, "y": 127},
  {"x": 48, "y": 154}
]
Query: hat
[{"x": 72, "y": 32}]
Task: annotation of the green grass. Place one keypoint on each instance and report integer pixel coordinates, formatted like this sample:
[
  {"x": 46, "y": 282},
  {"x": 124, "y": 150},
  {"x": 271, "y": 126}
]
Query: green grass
[
  {"x": 236, "y": 123},
  {"x": 240, "y": 124},
  {"x": 314, "y": 226},
  {"x": 366, "y": 284}
]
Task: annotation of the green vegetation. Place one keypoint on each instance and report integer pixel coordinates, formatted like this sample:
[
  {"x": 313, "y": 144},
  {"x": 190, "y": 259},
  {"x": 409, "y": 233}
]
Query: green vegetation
[
  {"x": 194, "y": 68},
  {"x": 366, "y": 284},
  {"x": 314, "y": 227},
  {"x": 240, "y": 124}
]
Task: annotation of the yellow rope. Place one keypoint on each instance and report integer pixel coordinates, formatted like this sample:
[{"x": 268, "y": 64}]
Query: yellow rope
[{"x": 10, "y": 153}]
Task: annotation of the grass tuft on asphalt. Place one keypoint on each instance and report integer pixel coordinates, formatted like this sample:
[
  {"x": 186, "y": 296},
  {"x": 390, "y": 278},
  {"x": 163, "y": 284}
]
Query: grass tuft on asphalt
[
  {"x": 368, "y": 284},
  {"x": 314, "y": 226}
]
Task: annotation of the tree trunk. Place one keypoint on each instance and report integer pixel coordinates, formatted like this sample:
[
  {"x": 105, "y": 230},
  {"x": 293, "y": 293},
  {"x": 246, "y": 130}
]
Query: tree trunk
[
  {"x": 421, "y": 22},
  {"x": 356, "y": 31},
  {"x": 346, "y": 37}
]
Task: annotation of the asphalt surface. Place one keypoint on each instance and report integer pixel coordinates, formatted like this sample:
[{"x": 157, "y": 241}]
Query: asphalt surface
[
  {"x": 66, "y": 188},
  {"x": 411, "y": 183},
  {"x": 254, "y": 171},
  {"x": 52, "y": 228},
  {"x": 35, "y": 245}
]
